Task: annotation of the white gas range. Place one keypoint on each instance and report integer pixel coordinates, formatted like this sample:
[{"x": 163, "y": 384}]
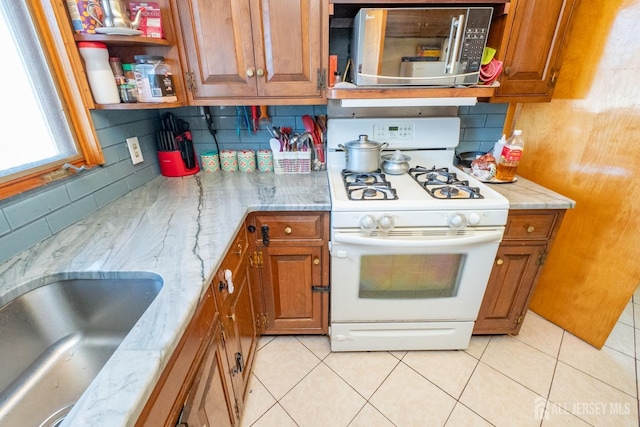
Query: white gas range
[{"x": 411, "y": 254}]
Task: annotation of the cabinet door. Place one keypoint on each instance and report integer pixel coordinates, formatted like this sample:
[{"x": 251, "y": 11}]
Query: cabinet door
[
  {"x": 532, "y": 45},
  {"x": 289, "y": 275},
  {"x": 218, "y": 45},
  {"x": 208, "y": 403},
  {"x": 240, "y": 331},
  {"x": 287, "y": 39},
  {"x": 510, "y": 284}
]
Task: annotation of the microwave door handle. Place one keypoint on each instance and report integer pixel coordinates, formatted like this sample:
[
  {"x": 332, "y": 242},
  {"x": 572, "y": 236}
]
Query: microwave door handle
[
  {"x": 495, "y": 236},
  {"x": 452, "y": 54}
]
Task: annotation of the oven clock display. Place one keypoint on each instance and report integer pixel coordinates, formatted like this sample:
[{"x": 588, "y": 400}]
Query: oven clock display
[{"x": 387, "y": 132}]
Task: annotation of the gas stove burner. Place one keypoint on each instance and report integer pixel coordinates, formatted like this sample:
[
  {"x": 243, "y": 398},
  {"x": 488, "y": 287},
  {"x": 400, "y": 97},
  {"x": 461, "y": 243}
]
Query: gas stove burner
[
  {"x": 366, "y": 178},
  {"x": 434, "y": 176},
  {"x": 457, "y": 191},
  {"x": 377, "y": 191},
  {"x": 442, "y": 184}
]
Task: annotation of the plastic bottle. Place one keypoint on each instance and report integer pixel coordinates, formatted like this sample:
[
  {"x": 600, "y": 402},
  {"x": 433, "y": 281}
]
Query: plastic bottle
[
  {"x": 510, "y": 157},
  {"x": 101, "y": 79},
  {"x": 498, "y": 146}
]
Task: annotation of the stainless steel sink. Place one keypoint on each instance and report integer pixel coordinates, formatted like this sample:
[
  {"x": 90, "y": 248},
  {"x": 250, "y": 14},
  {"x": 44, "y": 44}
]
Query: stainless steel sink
[{"x": 55, "y": 339}]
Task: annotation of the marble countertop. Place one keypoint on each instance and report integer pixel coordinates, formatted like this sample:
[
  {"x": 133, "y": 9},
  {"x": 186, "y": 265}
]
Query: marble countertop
[
  {"x": 179, "y": 228},
  {"x": 526, "y": 194}
]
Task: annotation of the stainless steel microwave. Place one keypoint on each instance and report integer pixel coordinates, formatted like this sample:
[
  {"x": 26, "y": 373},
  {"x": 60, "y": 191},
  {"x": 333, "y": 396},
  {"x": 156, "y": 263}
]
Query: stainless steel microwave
[{"x": 419, "y": 46}]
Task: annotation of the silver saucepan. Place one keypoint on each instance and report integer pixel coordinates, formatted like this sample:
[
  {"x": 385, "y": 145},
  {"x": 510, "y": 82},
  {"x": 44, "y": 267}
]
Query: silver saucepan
[{"x": 363, "y": 155}]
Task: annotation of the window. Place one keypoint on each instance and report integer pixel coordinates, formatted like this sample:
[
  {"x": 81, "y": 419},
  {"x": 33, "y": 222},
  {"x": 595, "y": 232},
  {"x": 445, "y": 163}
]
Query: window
[{"x": 46, "y": 123}]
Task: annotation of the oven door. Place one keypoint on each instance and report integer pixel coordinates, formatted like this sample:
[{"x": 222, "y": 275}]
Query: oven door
[{"x": 411, "y": 275}]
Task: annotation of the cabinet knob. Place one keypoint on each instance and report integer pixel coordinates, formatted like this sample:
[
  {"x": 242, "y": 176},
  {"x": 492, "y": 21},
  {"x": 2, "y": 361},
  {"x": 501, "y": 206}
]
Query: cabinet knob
[
  {"x": 260, "y": 72},
  {"x": 232, "y": 317},
  {"x": 287, "y": 230},
  {"x": 238, "y": 250},
  {"x": 499, "y": 261},
  {"x": 250, "y": 72},
  {"x": 531, "y": 229},
  {"x": 316, "y": 261}
]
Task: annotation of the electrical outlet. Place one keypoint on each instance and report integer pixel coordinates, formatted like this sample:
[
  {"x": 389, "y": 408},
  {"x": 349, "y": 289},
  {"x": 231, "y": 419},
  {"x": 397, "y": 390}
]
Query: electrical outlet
[{"x": 134, "y": 150}]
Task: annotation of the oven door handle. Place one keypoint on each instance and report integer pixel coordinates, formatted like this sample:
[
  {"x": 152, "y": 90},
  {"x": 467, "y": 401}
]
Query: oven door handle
[{"x": 423, "y": 243}]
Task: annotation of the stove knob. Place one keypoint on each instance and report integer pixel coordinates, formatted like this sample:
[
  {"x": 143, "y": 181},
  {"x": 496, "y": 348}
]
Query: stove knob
[
  {"x": 386, "y": 223},
  {"x": 368, "y": 223},
  {"x": 474, "y": 218},
  {"x": 457, "y": 221}
]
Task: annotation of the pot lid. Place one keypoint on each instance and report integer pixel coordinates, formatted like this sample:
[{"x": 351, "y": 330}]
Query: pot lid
[{"x": 363, "y": 142}]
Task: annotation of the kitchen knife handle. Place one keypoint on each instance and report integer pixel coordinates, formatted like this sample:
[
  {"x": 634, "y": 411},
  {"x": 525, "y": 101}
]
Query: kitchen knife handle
[
  {"x": 189, "y": 159},
  {"x": 265, "y": 234}
]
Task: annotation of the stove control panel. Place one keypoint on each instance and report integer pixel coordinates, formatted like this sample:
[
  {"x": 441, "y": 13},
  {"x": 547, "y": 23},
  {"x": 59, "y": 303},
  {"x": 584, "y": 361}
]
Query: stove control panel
[{"x": 393, "y": 131}]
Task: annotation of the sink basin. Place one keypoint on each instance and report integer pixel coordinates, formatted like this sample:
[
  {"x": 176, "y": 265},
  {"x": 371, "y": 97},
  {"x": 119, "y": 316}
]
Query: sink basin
[{"x": 57, "y": 337}]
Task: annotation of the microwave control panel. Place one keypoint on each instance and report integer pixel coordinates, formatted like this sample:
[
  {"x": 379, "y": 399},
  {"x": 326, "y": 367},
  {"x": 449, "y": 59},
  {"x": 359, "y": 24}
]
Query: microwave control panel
[{"x": 475, "y": 37}]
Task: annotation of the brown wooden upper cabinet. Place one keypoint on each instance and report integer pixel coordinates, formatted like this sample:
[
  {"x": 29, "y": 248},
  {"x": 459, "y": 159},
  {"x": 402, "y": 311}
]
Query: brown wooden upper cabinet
[
  {"x": 266, "y": 50},
  {"x": 534, "y": 37}
]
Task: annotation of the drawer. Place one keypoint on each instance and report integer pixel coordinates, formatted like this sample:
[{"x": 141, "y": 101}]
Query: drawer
[
  {"x": 236, "y": 250},
  {"x": 290, "y": 227},
  {"x": 530, "y": 225}
]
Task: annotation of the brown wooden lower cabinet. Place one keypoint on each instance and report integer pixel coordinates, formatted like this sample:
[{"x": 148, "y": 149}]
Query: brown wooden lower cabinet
[
  {"x": 206, "y": 378},
  {"x": 290, "y": 271},
  {"x": 518, "y": 263}
]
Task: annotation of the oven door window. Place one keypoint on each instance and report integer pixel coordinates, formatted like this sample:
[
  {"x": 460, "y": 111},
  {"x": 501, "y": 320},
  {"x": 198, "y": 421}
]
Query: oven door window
[{"x": 422, "y": 276}]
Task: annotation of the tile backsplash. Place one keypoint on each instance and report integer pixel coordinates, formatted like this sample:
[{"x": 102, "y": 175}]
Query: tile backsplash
[{"x": 31, "y": 217}]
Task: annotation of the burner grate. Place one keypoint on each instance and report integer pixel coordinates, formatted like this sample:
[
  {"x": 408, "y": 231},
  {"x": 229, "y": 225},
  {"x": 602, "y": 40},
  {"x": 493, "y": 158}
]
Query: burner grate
[
  {"x": 439, "y": 183},
  {"x": 368, "y": 186}
]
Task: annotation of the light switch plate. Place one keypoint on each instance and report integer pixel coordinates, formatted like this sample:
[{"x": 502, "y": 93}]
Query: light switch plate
[{"x": 134, "y": 150}]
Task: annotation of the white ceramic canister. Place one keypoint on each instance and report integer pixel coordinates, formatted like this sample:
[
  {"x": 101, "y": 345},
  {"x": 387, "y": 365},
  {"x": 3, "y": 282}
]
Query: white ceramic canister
[
  {"x": 265, "y": 161},
  {"x": 101, "y": 79},
  {"x": 229, "y": 160},
  {"x": 246, "y": 160},
  {"x": 210, "y": 161}
]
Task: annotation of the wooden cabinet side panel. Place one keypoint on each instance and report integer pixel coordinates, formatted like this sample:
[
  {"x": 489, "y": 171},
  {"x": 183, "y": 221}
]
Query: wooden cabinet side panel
[{"x": 218, "y": 47}]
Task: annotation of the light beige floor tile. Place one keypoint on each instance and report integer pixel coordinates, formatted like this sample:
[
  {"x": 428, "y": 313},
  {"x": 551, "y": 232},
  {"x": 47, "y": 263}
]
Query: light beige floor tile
[
  {"x": 364, "y": 371},
  {"x": 317, "y": 344},
  {"x": 555, "y": 416},
  {"x": 519, "y": 361},
  {"x": 449, "y": 370},
  {"x": 264, "y": 340},
  {"x": 501, "y": 400},
  {"x": 258, "y": 401},
  {"x": 282, "y": 363},
  {"x": 477, "y": 345},
  {"x": 621, "y": 338},
  {"x": 398, "y": 354},
  {"x": 322, "y": 399},
  {"x": 608, "y": 365},
  {"x": 275, "y": 417},
  {"x": 636, "y": 313},
  {"x": 408, "y": 399},
  {"x": 370, "y": 417},
  {"x": 627, "y": 314},
  {"x": 592, "y": 400},
  {"x": 538, "y": 332},
  {"x": 465, "y": 417}
]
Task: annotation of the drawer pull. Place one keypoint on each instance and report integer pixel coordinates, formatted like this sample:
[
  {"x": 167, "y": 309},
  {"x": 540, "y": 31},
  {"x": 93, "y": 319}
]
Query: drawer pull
[
  {"x": 287, "y": 230},
  {"x": 531, "y": 229},
  {"x": 499, "y": 261},
  {"x": 316, "y": 261},
  {"x": 239, "y": 249}
]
